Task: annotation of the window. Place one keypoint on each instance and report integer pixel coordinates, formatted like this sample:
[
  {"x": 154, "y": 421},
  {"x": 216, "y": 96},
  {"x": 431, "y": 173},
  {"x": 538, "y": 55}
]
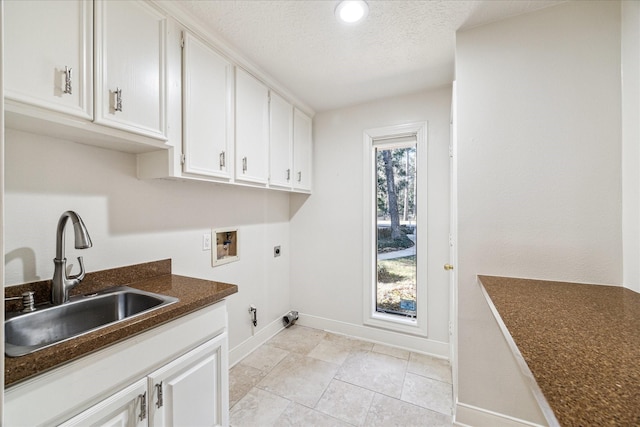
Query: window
[
  {"x": 395, "y": 284},
  {"x": 395, "y": 241}
]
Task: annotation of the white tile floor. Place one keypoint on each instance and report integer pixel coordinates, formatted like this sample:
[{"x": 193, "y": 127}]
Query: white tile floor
[{"x": 307, "y": 377}]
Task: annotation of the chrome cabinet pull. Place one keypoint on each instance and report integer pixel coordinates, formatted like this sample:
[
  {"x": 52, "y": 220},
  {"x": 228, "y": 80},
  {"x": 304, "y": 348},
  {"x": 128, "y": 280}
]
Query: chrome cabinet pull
[
  {"x": 160, "y": 401},
  {"x": 143, "y": 406},
  {"x": 67, "y": 80},
  {"x": 299, "y": 176},
  {"x": 288, "y": 174},
  {"x": 244, "y": 164},
  {"x": 222, "y": 160},
  {"x": 118, "y": 93}
]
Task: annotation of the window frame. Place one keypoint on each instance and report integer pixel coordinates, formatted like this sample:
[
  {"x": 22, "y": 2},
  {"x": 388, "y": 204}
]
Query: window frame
[{"x": 374, "y": 138}]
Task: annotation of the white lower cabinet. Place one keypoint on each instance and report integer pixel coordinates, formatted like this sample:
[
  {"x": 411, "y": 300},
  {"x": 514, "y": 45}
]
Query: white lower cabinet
[
  {"x": 186, "y": 392},
  {"x": 126, "y": 408},
  {"x": 173, "y": 375}
]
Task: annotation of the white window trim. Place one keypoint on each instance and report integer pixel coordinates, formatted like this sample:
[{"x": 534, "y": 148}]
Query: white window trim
[{"x": 417, "y": 326}]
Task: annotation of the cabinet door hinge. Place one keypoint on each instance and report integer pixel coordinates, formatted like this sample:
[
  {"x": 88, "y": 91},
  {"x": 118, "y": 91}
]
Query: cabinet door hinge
[
  {"x": 450, "y": 151},
  {"x": 182, "y": 40},
  {"x": 183, "y": 159}
]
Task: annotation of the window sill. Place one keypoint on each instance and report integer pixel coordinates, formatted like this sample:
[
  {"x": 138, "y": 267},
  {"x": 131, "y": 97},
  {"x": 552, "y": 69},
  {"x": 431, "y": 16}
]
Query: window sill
[{"x": 397, "y": 324}]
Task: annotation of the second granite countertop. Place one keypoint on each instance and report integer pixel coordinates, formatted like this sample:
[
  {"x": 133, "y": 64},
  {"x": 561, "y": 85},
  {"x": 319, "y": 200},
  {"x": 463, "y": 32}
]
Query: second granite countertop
[
  {"x": 581, "y": 343},
  {"x": 193, "y": 294}
]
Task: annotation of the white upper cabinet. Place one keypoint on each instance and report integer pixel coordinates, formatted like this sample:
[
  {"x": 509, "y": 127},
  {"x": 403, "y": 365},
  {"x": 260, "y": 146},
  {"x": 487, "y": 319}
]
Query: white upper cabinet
[
  {"x": 252, "y": 129},
  {"x": 207, "y": 100},
  {"x": 48, "y": 55},
  {"x": 280, "y": 142},
  {"x": 130, "y": 67},
  {"x": 113, "y": 74},
  {"x": 302, "y": 151}
]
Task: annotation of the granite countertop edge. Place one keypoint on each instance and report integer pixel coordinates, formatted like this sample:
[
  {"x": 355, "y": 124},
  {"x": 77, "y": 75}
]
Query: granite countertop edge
[
  {"x": 580, "y": 341},
  {"x": 544, "y": 405},
  {"x": 193, "y": 294}
]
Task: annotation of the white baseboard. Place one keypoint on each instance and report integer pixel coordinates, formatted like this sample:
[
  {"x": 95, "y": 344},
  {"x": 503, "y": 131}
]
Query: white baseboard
[
  {"x": 469, "y": 415},
  {"x": 247, "y": 347},
  {"x": 394, "y": 339}
]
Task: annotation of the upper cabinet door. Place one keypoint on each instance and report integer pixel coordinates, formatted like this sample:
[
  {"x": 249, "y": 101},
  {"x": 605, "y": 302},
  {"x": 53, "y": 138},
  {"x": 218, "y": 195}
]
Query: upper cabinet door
[
  {"x": 302, "y": 151},
  {"x": 48, "y": 54},
  {"x": 252, "y": 129},
  {"x": 130, "y": 67},
  {"x": 280, "y": 142},
  {"x": 207, "y": 110}
]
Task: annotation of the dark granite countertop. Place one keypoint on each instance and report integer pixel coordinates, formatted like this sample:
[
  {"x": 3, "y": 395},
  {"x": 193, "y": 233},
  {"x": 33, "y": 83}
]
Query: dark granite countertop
[
  {"x": 581, "y": 342},
  {"x": 155, "y": 277}
]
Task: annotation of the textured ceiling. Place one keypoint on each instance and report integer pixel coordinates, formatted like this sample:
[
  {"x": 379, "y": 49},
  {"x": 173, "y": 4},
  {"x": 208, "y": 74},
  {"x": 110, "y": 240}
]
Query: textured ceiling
[{"x": 402, "y": 46}]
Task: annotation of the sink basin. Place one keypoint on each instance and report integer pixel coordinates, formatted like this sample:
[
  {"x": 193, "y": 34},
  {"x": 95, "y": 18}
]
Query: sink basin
[{"x": 30, "y": 332}]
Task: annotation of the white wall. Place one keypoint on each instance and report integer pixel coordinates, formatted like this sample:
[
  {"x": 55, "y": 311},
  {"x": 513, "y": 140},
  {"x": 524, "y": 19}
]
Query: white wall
[
  {"x": 132, "y": 221},
  {"x": 327, "y": 230},
  {"x": 539, "y": 183},
  {"x": 631, "y": 144}
]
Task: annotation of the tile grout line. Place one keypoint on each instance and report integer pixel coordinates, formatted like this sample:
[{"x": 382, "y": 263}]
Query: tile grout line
[{"x": 350, "y": 350}]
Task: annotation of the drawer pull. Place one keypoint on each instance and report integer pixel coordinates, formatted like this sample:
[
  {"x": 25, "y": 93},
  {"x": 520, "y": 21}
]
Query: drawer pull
[
  {"x": 159, "y": 402},
  {"x": 67, "y": 80},
  {"x": 118, "y": 94}
]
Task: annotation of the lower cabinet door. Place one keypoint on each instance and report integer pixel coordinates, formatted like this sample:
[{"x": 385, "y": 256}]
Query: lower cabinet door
[
  {"x": 193, "y": 389},
  {"x": 126, "y": 408}
]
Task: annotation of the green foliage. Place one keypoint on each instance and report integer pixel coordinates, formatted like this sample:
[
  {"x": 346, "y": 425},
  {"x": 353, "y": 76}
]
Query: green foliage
[
  {"x": 387, "y": 244},
  {"x": 408, "y": 229},
  {"x": 384, "y": 276},
  {"x": 396, "y": 282}
]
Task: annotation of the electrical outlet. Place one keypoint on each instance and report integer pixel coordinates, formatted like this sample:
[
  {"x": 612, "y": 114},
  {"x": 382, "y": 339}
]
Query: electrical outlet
[
  {"x": 276, "y": 251},
  {"x": 206, "y": 242}
]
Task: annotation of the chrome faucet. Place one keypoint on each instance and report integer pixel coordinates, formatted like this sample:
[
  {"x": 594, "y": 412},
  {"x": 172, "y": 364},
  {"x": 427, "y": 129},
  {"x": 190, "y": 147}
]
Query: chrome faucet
[{"x": 61, "y": 283}]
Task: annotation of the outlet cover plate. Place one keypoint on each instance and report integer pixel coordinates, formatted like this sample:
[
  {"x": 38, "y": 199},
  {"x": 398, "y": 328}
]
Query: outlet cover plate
[{"x": 206, "y": 242}]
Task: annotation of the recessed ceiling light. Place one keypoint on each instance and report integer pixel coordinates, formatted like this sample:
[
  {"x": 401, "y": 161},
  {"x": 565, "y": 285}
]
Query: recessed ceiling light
[{"x": 351, "y": 11}]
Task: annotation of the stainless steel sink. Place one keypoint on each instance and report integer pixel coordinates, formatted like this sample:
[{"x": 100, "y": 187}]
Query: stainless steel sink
[{"x": 44, "y": 327}]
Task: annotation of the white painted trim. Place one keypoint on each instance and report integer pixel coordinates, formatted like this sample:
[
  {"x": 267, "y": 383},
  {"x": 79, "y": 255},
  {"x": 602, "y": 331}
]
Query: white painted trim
[
  {"x": 380, "y": 336},
  {"x": 469, "y": 415},
  {"x": 453, "y": 242},
  {"x": 370, "y": 317},
  {"x": 2, "y": 200},
  {"x": 249, "y": 345}
]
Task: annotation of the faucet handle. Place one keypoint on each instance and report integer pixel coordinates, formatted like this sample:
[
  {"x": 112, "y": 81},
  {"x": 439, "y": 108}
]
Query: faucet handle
[{"x": 78, "y": 277}]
